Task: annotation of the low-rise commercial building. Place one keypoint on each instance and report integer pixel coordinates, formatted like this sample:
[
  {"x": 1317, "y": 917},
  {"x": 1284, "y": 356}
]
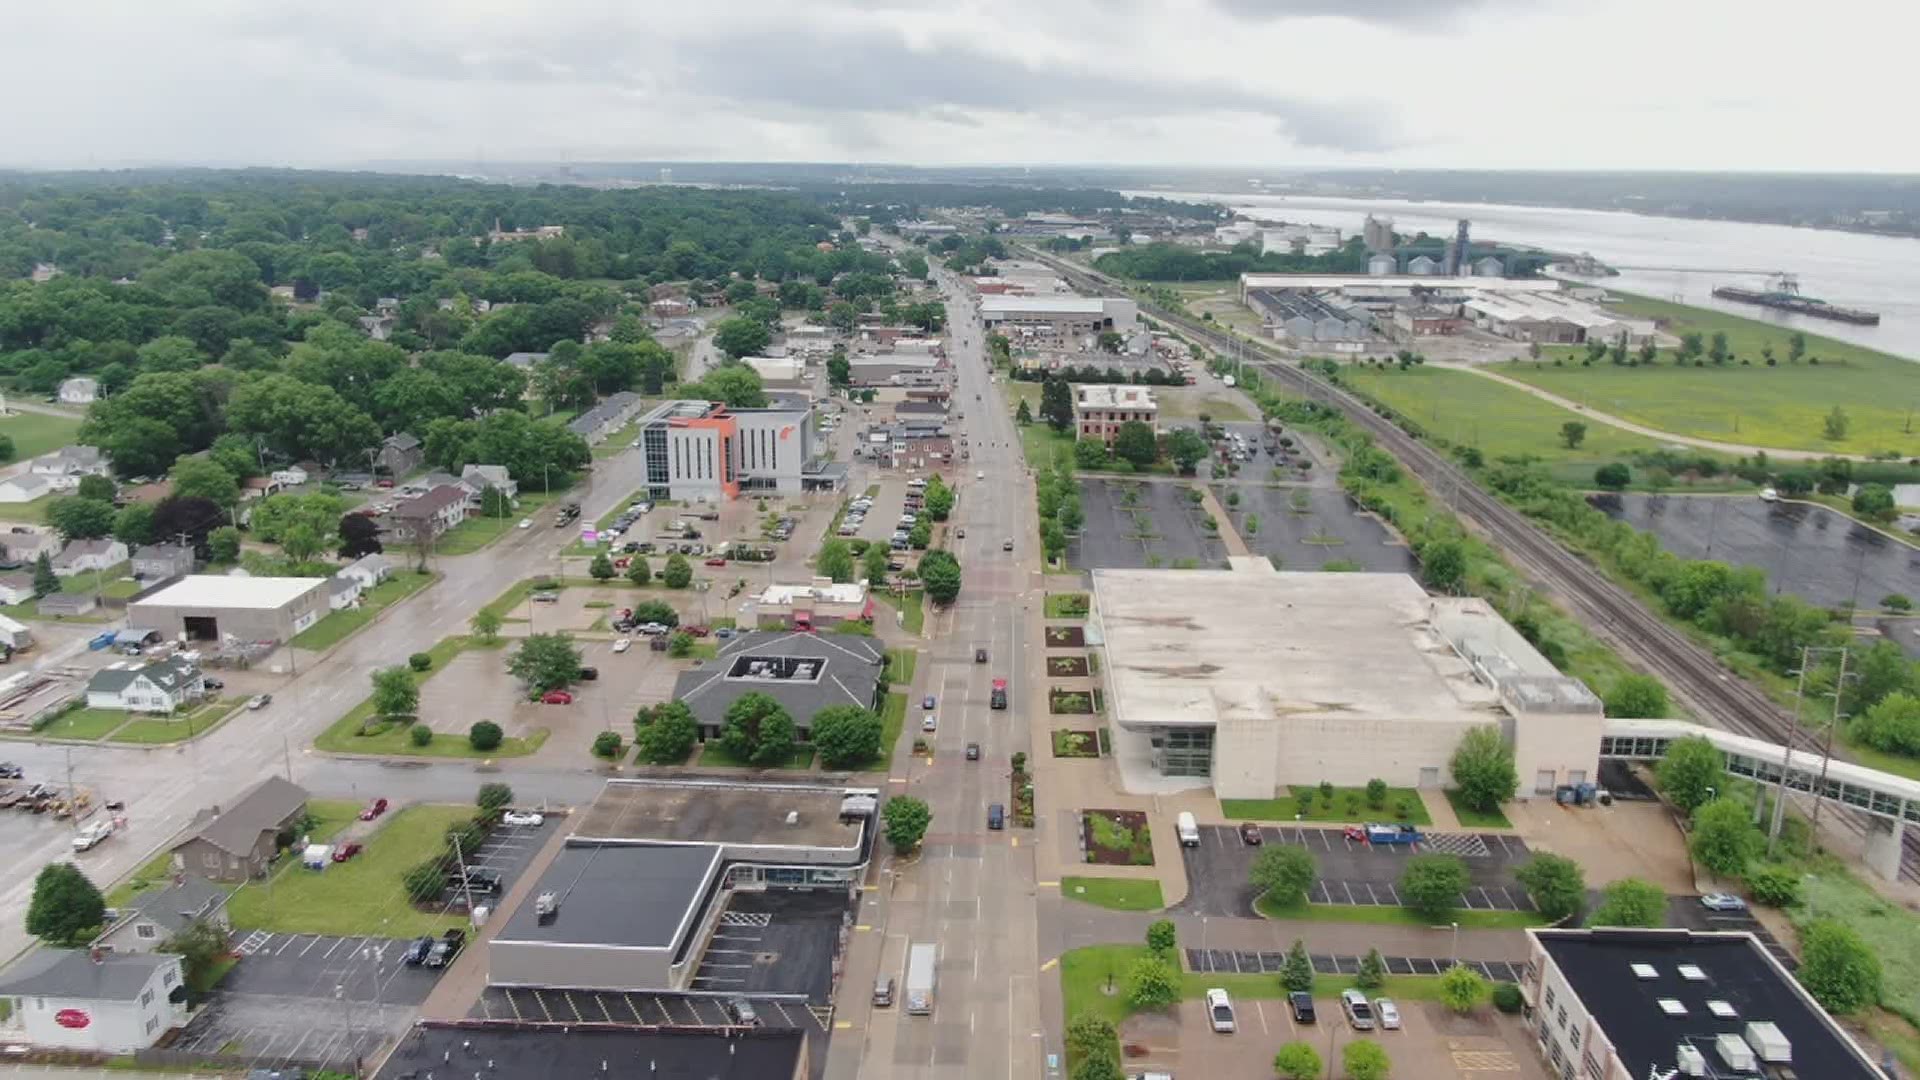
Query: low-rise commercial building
[
  {"x": 110, "y": 1003},
  {"x": 698, "y": 451},
  {"x": 1251, "y": 680},
  {"x": 1100, "y": 408},
  {"x": 1627, "y": 1004},
  {"x": 612, "y": 413},
  {"x": 804, "y": 672},
  {"x": 238, "y": 843},
  {"x": 427, "y": 517},
  {"x": 818, "y": 603},
  {"x": 520, "y": 1051},
  {"x": 211, "y": 607},
  {"x": 1059, "y": 314}
]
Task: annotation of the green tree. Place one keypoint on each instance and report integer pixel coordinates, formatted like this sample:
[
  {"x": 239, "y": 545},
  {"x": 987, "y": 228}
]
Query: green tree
[
  {"x": 99, "y": 488},
  {"x": 669, "y": 736},
  {"x": 639, "y": 573},
  {"x": 1461, "y": 988},
  {"x": 45, "y": 581},
  {"x": 1432, "y": 884},
  {"x": 1836, "y": 424},
  {"x": 1892, "y": 724},
  {"x": 1796, "y": 347},
  {"x": 1691, "y": 773},
  {"x": 1630, "y": 902},
  {"x": 738, "y": 336},
  {"x": 905, "y": 820},
  {"x": 1152, "y": 983},
  {"x": 1373, "y": 971},
  {"x": 757, "y": 729},
  {"x": 196, "y": 477},
  {"x": 1838, "y": 967},
  {"x": 1774, "y": 886},
  {"x": 1098, "y": 1068},
  {"x": 66, "y": 909},
  {"x": 678, "y": 573},
  {"x": 1874, "y": 502},
  {"x": 1483, "y": 769},
  {"x": 1612, "y": 476},
  {"x": 920, "y": 535},
  {"x": 1023, "y": 415},
  {"x": 1090, "y": 454},
  {"x": 1377, "y": 793},
  {"x": 1296, "y": 972},
  {"x": 1110, "y": 341},
  {"x": 485, "y": 625},
  {"x": 133, "y": 524},
  {"x": 1056, "y": 404},
  {"x": 1364, "y": 1060},
  {"x": 546, "y": 662},
  {"x": 1724, "y": 840},
  {"x": 1443, "y": 564},
  {"x": 395, "y": 693},
  {"x": 835, "y": 561},
  {"x": 75, "y": 518},
  {"x": 201, "y": 947},
  {"x": 300, "y": 543},
  {"x": 847, "y": 736},
  {"x": 938, "y": 500},
  {"x": 485, "y": 735},
  {"x": 1298, "y": 1061},
  {"x": 873, "y": 564},
  {"x": 1162, "y": 938},
  {"x": 680, "y": 645},
  {"x": 1283, "y": 874},
  {"x": 606, "y": 745},
  {"x": 493, "y": 797},
  {"x": 223, "y": 544},
  {"x": 839, "y": 370},
  {"x": 1187, "y": 450},
  {"x": 1089, "y": 1036},
  {"x": 940, "y": 573},
  {"x": 601, "y": 568},
  {"x": 1135, "y": 443},
  {"x": 1556, "y": 884},
  {"x": 1572, "y": 434},
  {"x": 1637, "y": 697}
]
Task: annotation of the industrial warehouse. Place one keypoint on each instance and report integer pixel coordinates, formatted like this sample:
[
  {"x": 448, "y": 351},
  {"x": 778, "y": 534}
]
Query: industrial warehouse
[
  {"x": 212, "y": 607},
  {"x": 1059, "y": 315},
  {"x": 1250, "y": 680},
  {"x": 1353, "y": 310}
]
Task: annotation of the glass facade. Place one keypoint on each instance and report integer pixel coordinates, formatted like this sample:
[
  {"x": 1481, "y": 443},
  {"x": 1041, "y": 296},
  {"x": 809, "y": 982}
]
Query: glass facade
[
  {"x": 654, "y": 441},
  {"x": 1185, "y": 751},
  {"x": 1647, "y": 748}
]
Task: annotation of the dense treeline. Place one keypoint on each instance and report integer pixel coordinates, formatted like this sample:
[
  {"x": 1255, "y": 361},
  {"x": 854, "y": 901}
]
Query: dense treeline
[{"x": 1177, "y": 262}]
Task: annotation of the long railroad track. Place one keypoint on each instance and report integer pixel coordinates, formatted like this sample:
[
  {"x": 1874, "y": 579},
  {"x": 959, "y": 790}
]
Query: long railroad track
[{"x": 1701, "y": 682}]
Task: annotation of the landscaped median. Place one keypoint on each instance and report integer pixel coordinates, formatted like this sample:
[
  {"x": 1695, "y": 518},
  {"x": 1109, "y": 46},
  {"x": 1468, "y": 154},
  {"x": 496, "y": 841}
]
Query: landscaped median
[
  {"x": 1332, "y": 803},
  {"x": 1085, "y": 974},
  {"x": 1120, "y": 894},
  {"x": 343, "y": 624},
  {"x": 364, "y": 895},
  {"x": 354, "y": 734}
]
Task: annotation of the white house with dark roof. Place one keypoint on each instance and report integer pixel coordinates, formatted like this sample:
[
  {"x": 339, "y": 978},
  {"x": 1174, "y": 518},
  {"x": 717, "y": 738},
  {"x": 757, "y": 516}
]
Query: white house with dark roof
[
  {"x": 113, "y": 1003},
  {"x": 141, "y": 924},
  {"x": 16, "y": 587},
  {"x": 154, "y": 686},
  {"x": 162, "y": 560},
  {"x": 86, "y": 556},
  {"x": 369, "y": 570},
  {"x": 478, "y": 478},
  {"x": 64, "y": 467}
]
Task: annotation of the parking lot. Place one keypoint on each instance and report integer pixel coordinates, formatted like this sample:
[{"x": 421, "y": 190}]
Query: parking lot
[
  {"x": 1351, "y": 872},
  {"x": 884, "y": 516},
  {"x": 775, "y": 943},
  {"x": 326, "y": 967},
  {"x": 1134, "y": 525},
  {"x": 1273, "y": 963},
  {"x": 475, "y": 685},
  {"x": 1308, "y": 527},
  {"x": 507, "y": 852},
  {"x": 650, "y": 1010},
  {"x": 1687, "y": 911},
  {"x": 294, "y": 1030}
]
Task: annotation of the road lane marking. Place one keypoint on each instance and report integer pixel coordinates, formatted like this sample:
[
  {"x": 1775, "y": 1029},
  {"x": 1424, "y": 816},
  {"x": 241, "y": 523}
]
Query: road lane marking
[{"x": 1049, "y": 965}]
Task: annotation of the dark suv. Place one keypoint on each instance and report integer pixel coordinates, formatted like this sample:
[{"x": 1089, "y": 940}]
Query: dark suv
[
  {"x": 1302, "y": 1004},
  {"x": 416, "y": 953},
  {"x": 446, "y": 948}
]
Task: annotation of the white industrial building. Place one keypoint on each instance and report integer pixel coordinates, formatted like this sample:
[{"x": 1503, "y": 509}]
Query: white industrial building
[
  {"x": 1059, "y": 314},
  {"x": 213, "y": 607},
  {"x": 1550, "y": 318},
  {"x": 1251, "y": 680}
]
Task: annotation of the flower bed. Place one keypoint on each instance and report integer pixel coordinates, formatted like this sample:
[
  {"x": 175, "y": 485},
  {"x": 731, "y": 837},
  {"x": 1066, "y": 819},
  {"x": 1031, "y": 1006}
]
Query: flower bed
[
  {"x": 1070, "y": 702},
  {"x": 1116, "y": 837},
  {"x": 1068, "y": 667},
  {"x": 1066, "y": 637},
  {"x": 1070, "y": 743}
]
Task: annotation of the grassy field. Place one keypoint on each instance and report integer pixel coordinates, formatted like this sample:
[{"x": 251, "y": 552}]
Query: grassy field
[
  {"x": 1067, "y": 605},
  {"x": 34, "y": 513},
  {"x": 1305, "y": 804},
  {"x": 343, "y": 735},
  {"x": 1221, "y": 299},
  {"x": 913, "y": 606},
  {"x": 1120, "y": 894},
  {"x": 148, "y": 731},
  {"x": 1377, "y": 915},
  {"x": 36, "y": 433},
  {"x": 1188, "y": 402},
  {"x": 1781, "y": 406},
  {"x": 85, "y": 724},
  {"x": 618, "y": 441},
  {"x": 901, "y": 664},
  {"x": 120, "y": 588},
  {"x": 1502, "y": 421},
  {"x": 1474, "y": 818},
  {"x": 361, "y": 896},
  {"x": 893, "y": 720},
  {"x": 341, "y": 625}
]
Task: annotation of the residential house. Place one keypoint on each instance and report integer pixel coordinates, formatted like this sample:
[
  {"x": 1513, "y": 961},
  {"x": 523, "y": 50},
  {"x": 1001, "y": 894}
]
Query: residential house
[
  {"x": 238, "y": 843},
  {"x": 431, "y": 514},
  {"x": 86, "y": 556},
  {"x": 63, "y": 604},
  {"x": 343, "y": 592},
  {"x": 427, "y": 483},
  {"x": 613, "y": 412},
  {"x": 478, "y": 478},
  {"x": 114, "y": 1003},
  {"x": 24, "y": 487},
  {"x": 16, "y": 587},
  {"x": 150, "y": 686},
  {"x": 377, "y": 327},
  {"x": 64, "y": 467},
  {"x": 150, "y": 918},
  {"x": 79, "y": 390},
  {"x": 400, "y": 455},
  {"x": 670, "y": 308},
  {"x": 26, "y": 543},
  {"x": 368, "y": 570},
  {"x": 159, "y": 561}
]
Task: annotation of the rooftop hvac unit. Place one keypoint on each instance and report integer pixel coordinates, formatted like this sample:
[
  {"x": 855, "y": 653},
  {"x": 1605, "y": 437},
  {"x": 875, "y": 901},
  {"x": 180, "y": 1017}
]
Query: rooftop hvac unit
[
  {"x": 1692, "y": 1062},
  {"x": 1735, "y": 1052},
  {"x": 545, "y": 907},
  {"x": 1767, "y": 1041}
]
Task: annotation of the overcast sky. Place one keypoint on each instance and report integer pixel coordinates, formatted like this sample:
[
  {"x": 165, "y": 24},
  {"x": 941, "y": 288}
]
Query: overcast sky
[{"x": 1684, "y": 84}]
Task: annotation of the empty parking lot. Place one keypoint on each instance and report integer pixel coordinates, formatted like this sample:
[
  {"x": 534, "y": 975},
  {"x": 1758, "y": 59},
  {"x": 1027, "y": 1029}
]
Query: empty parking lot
[
  {"x": 775, "y": 942},
  {"x": 1351, "y": 872}
]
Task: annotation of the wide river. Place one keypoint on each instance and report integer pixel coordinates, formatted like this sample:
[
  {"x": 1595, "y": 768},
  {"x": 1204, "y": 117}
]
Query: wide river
[{"x": 1874, "y": 272}]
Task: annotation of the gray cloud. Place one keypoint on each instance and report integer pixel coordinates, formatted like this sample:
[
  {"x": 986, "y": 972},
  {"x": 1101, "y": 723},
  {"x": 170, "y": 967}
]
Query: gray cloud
[{"x": 1379, "y": 12}]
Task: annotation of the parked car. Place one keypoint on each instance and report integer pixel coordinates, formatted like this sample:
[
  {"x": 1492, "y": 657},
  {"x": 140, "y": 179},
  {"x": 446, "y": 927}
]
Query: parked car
[
  {"x": 526, "y": 523},
  {"x": 213, "y": 684},
  {"x": 346, "y": 851},
  {"x": 1301, "y": 1003},
  {"x": 723, "y": 633},
  {"x": 556, "y": 697},
  {"x": 716, "y": 562},
  {"x": 1250, "y": 834},
  {"x": 446, "y": 948},
  {"x": 416, "y": 953},
  {"x": 741, "y": 1011},
  {"x": 259, "y": 701},
  {"x": 546, "y": 598},
  {"x": 11, "y": 771},
  {"x": 696, "y": 630},
  {"x": 1220, "y": 1011},
  {"x": 622, "y": 645},
  {"x": 526, "y": 818},
  {"x": 589, "y": 674},
  {"x": 1720, "y": 901},
  {"x": 482, "y": 879},
  {"x": 654, "y": 629},
  {"x": 1358, "y": 1009},
  {"x": 1387, "y": 1012},
  {"x": 373, "y": 810}
]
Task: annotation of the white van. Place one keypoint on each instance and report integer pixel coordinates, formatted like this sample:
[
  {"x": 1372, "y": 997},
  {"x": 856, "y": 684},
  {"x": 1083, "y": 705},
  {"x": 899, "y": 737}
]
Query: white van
[{"x": 1187, "y": 829}]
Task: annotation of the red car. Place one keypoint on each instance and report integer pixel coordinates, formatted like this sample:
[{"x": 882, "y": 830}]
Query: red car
[
  {"x": 1356, "y": 834},
  {"x": 622, "y": 563},
  {"x": 716, "y": 562},
  {"x": 346, "y": 851},
  {"x": 557, "y": 697},
  {"x": 374, "y": 809},
  {"x": 696, "y": 630}
]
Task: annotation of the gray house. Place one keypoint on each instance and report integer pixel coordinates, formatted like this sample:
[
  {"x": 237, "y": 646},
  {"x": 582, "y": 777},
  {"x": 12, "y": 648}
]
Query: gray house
[
  {"x": 238, "y": 843},
  {"x": 400, "y": 454},
  {"x": 153, "y": 916},
  {"x": 157, "y": 561}
]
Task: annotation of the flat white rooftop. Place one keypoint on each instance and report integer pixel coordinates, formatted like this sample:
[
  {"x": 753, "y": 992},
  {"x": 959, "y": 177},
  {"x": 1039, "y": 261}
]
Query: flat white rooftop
[
  {"x": 1195, "y": 647},
  {"x": 1112, "y": 396},
  {"x": 1043, "y": 305},
  {"x": 221, "y": 591},
  {"x": 841, "y": 593}
]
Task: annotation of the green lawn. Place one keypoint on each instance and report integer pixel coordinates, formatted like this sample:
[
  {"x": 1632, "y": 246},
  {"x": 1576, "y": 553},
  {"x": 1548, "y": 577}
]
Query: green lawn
[
  {"x": 1782, "y": 406},
  {"x": 913, "y": 606},
  {"x": 36, "y": 433},
  {"x": 1305, "y": 804},
  {"x": 1473, "y": 818},
  {"x": 120, "y": 588},
  {"x": 893, "y": 720},
  {"x": 343, "y": 735},
  {"x": 1120, "y": 894},
  {"x": 901, "y": 664},
  {"x": 1502, "y": 421},
  {"x": 712, "y": 754},
  {"x": 34, "y": 512},
  {"x": 618, "y": 441},
  {"x": 1084, "y": 974},
  {"x": 341, "y": 625},
  {"x": 85, "y": 723},
  {"x": 1187, "y": 403},
  {"x": 361, "y": 896},
  {"x": 1067, "y": 605},
  {"x": 1376, "y": 915},
  {"x": 148, "y": 730},
  {"x": 1038, "y": 441},
  {"x": 156, "y": 872}
]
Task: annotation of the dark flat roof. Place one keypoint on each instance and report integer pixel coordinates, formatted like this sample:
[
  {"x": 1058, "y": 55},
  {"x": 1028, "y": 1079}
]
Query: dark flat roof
[
  {"x": 1598, "y": 966},
  {"x": 556, "y": 1054},
  {"x": 718, "y": 812},
  {"x": 617, "y": 894}
]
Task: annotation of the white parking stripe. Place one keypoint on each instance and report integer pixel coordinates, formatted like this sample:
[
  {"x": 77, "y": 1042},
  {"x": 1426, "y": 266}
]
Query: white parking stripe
[{"x": 316, "y": 940}]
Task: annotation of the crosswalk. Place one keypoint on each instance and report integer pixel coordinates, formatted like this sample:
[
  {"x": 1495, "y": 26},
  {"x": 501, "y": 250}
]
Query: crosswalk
[
  {"x": 754, "y": 919},
  {"x": 1465, "y": 845}
]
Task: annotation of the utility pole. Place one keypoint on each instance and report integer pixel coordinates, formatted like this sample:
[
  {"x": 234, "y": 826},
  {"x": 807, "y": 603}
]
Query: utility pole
[
  {"x": 1786, "y": 768},
  {"x": 1826, "y": 753}
]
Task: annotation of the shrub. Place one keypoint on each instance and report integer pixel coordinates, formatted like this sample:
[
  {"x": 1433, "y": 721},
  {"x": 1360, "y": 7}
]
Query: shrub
[
  {"x": 421, "y": 735},
  {"x": 1461, "y": 988},
  {"x": 485, "y": 735},
  {"x": 606, "y": 745},
  {"x": 493, "y": 796},
  {"x": 1774, "y": 886},
  {"x": 1506, "y": 998},
  {"x": 1376, "y": 793},
  {"x": 419, "y": 661},
  {"x": 425, "y": 881},
  {"x": 1020, "y": 761}
]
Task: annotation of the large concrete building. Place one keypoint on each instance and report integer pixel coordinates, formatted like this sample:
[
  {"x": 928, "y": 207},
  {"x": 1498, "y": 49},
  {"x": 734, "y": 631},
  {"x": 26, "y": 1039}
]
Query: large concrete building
[
  {"x": 698, "y": 451},
  {"x": 632, "y": 900},
  {"x": 1059, "y": 314},
  {"x": 1251, "y": 680},
  {"x": 212, "y": 607}
]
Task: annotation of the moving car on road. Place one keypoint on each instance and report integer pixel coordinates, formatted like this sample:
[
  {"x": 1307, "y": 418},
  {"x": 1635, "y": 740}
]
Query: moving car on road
[
  {"x": 556, "y": 697},
  {"x": 526, "y": 523},
  {"x": 973, "y": 751},
  {"x": 259, "y": 701},
  {"x": 623, "y": 645}
]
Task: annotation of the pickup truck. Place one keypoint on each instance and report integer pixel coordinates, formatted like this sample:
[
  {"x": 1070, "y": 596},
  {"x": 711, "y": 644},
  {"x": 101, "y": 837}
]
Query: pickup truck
[
  {"x": 89, "y": 837},
  {"x": 1376, "y": 833}
]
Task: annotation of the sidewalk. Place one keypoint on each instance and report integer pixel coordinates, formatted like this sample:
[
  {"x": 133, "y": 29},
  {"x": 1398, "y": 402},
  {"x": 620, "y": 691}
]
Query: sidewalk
[{"x": 460, "y": 985}]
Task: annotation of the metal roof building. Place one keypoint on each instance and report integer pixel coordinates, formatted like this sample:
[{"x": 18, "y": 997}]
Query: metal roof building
[{"x": 213, "y": 607}]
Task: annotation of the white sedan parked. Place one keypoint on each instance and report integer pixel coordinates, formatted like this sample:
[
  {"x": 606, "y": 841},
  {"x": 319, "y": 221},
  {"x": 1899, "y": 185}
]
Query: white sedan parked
[{"x": 523, "y": 817}]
